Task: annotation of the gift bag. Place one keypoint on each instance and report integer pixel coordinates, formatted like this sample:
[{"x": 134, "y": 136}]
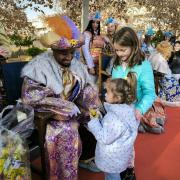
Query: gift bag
[
  {"x": 14, "y": 157},
  {"x": 19, "y": 119}
]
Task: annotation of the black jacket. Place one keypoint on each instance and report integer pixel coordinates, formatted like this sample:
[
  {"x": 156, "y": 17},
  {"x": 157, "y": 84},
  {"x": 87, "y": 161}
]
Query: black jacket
[{"x": 175, "y": 64}]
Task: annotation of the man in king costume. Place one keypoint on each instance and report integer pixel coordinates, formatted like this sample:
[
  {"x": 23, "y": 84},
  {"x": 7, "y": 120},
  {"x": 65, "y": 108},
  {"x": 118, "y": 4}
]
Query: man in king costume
[{"x": 57, "y": 82}]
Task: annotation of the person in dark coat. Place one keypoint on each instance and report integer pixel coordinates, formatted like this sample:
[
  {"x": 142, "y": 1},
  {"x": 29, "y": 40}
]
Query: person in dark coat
[{"x": 175, "y": 64}]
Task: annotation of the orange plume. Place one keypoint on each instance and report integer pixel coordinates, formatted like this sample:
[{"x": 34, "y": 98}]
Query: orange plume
[{"x": 59, "y": 26}]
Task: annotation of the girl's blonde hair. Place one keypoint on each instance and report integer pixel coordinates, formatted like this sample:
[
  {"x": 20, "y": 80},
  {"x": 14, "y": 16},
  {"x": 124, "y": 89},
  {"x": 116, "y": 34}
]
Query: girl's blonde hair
[
  {"x": 125, "y": 89},
  {"x": 165, "y": 49},
  {"x": 127, "y": 37}
]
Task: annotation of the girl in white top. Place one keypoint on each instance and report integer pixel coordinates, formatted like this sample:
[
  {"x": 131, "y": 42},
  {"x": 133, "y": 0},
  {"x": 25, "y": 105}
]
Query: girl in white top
[{"x": 117, "y": 130}]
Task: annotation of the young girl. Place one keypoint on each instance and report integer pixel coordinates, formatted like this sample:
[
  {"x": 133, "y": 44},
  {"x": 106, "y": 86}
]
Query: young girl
[
  {"x": 130, "y": 59},
  {"x": 117, "y": 130}
]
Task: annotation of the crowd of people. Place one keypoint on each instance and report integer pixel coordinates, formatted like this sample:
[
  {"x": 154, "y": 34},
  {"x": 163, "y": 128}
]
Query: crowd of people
[{"x": 85, "y": 131}]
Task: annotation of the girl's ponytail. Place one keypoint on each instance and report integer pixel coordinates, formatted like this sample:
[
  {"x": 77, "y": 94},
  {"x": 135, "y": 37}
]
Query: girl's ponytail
[{"x": 132, "y": 83}]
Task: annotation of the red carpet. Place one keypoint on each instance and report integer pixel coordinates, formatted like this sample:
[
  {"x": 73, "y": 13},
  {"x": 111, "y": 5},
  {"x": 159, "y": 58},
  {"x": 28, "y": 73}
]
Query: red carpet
[{"x": 157, "y": 156}]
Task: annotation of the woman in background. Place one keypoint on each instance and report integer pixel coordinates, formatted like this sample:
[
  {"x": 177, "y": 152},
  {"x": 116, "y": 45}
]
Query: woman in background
[
  {"x": 175, "y": 64},
  {"x": 94, "y": 43},
  {"x": 169, "y": 86}
]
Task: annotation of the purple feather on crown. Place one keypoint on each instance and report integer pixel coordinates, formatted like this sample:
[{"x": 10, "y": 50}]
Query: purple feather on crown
[
  {"x": 75, "y": 30},
  {"x": 63, "y": 43}
]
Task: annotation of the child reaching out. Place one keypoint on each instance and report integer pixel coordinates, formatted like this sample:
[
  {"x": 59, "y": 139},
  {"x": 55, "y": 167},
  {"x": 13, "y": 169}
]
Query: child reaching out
[{"x": 117, "y": 130}]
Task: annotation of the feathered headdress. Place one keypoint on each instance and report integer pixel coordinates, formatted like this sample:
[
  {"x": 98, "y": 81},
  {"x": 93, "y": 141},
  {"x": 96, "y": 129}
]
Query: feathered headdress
[
  {"x": 95, "y": 16},
  {"x": 63, "y": 34},
  {"x": 150, "y": 31},
  {"x": 168, "y": 34},
  {"x": 111, "y": 20}
]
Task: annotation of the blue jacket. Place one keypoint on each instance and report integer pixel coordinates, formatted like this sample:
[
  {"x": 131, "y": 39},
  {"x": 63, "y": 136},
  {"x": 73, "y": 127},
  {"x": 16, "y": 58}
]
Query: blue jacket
[{"x": 145, "y": 84}]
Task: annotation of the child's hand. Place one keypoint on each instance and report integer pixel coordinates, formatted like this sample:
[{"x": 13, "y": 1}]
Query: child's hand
[
  {"x": 94, "y": 113},
  {"x": 138, "y": 115}
]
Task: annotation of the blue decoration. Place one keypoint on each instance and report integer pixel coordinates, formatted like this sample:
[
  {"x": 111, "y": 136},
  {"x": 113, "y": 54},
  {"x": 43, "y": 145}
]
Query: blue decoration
[
  {"x": 168, "y": 34},
  {"x": 111, "y": 20},
  {"x": 150, "y": 31},
  {"x": 97, "y": 15}
]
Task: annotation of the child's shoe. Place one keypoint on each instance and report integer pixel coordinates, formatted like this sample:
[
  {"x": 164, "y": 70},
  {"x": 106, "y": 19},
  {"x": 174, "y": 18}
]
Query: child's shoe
[{"x": 128, "y": 174}]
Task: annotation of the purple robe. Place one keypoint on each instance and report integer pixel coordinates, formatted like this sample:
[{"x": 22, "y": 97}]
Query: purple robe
[{"x": 63, "y": 144}]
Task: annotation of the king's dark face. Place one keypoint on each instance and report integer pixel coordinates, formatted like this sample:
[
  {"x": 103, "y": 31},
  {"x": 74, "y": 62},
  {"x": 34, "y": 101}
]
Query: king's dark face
[{"x": 64, "y": 57}]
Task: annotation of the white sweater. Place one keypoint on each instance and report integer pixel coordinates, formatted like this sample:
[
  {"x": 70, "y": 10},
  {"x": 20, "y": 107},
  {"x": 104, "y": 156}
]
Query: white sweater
[{"x": 115, "y": 135}]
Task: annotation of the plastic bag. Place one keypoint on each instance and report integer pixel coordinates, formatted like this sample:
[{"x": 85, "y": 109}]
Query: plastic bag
[
  {"x": 14, "y": 157},
  {"x": 19, "y": 119}
]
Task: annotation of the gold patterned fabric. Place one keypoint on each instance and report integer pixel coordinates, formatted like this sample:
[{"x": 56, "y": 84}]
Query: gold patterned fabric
[{"x": 69, "y": 82}]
